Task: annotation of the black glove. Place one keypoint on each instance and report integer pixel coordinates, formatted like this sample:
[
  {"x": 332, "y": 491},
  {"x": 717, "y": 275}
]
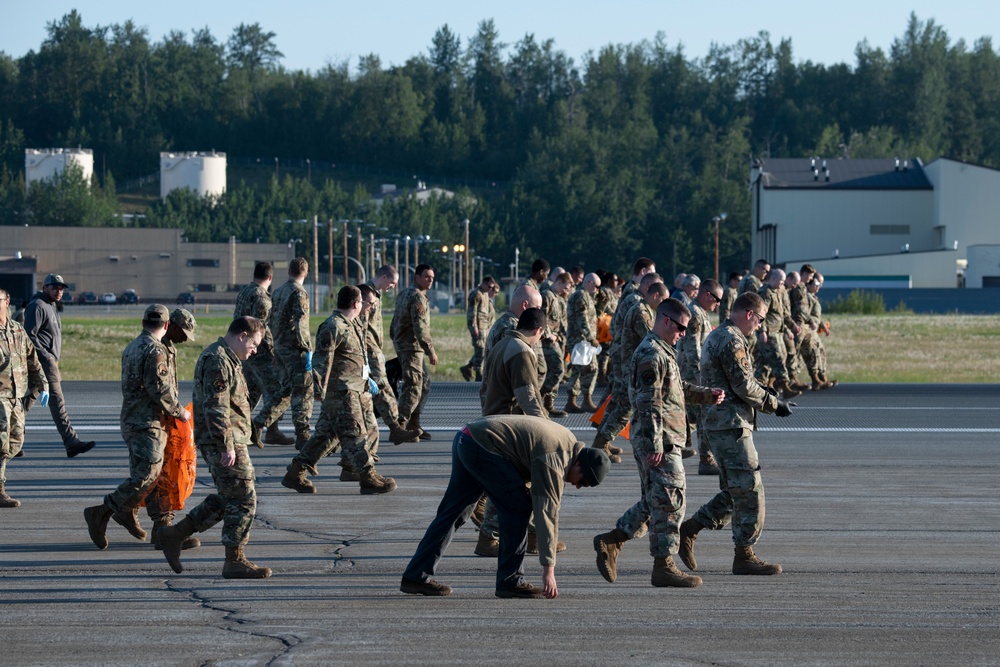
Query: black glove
[
  {"x": 255, "y": 435},
  {"x": 771, "y": 390},
  {"x": 784, "y": 408}
]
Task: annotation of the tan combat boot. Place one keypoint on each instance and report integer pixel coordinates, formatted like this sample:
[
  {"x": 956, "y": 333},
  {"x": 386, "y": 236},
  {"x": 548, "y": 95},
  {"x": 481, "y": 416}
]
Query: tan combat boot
[
  {"x": 827, "y": 382},
  {"x": 154, "y": 537},
  {"x": 588, "y": 404},
  {"x": 274, "y": 436},
  {"x": 466, "y": 372},
  {"x": 487, "y": 545},
  {"x": 347, "y": 472},
  {"x": 129, "y": 520},
  {"x": 238, "y": 567},
  {"x": 602, "y": 443},
  {"x": 171, "y": 539},
  {"x": 532, "y": 546},
  {"x": 707, "y": 465},
  {"x": 746, "y": 562},
  {"x": 413, "y": 424},
  {"x": 7, "y": 501},
  {"x": 296, "y": 479},
  {"x": 665, "y": 573},
  {"x": 571, "y": 406},
  {"x": 786, "y": 389},
  {"x": 97, "y": 518},
  {"x": 372, "y": 482},
  {"x": 817, "y": 383},
  {"x": 398, "y": 435},
  {"x": 549, "y": 403},
  {"x": 608, "y": 546},
  {"x": 689, "y": 533}
]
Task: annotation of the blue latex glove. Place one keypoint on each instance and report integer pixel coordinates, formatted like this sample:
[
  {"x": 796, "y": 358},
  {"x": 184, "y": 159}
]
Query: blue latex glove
[
  {"x": 43, "y": 399},
  {"x": 372, "y": 387},
  {"x": 309, "y": 361}
]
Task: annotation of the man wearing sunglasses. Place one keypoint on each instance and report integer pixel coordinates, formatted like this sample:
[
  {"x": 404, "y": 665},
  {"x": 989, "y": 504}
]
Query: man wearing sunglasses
[{"x": 729, "y": 426}]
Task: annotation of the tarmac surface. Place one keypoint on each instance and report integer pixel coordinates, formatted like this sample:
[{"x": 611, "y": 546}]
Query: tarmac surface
[{"x": 882, "y": 510}]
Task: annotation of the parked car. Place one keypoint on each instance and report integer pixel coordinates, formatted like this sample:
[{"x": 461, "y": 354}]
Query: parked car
[
  {"x": 67, "y": 297},
  {"x": 86, "y": 299},
  {"x": 109, "y": 298},
  {"x": 185, "y": 298},
  {"x": 128, "y": 297}
]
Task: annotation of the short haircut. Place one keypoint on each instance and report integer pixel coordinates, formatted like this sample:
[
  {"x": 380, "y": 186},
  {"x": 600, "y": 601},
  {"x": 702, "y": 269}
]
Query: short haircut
[
  {"x": 735, "y": 275},
  {"x": 246, "y": 324},
  {"x": 672, "y": 308},
  {"x": 710, "y": 285},
  {"x": 657, "y": 289},
  {"x": 690, "y": 280},
  {"x": 613, "y": 277},
  {"x": 387, "y": 270},
  {"x": 642, "y": 264},
  {"x": 807, "y": 268},
  {"x": 539, "y": 265},
  {"x": 263, "y": 271},
  {"x": 563, "y": 278},
  {"x": 761, "y": 263},
  {"x": 346, "y": 297},
  {"x": 748, "y": 301},
  {"x": 298, "y": 266},
  {"x": 650, "y": 278},
  {"x": 421, "y": 268},
  {"x": 489, "y": 280},
  {"x": 367, "y": 290},
  {"x": 576, "y": 271},
  {"x": 531, "y": 319},
  {"x": 522, "y": 293}
]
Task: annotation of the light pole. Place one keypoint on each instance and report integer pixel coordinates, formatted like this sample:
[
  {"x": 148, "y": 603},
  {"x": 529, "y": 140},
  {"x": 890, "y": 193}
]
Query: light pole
[
  {"x": 717, "y": 219},
  {"x": 406, "y": 265}
]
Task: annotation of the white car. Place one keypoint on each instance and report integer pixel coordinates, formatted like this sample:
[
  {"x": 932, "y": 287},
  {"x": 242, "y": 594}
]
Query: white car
[{"x": 109, "y": 298}]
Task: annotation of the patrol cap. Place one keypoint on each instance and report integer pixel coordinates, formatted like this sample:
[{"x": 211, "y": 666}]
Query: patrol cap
[
  {"x": 156, "y": 314},
  {"x": 594, "y": 464},
  {"x": 185, "y": 320},
  {"x": 55, "y": 279}
]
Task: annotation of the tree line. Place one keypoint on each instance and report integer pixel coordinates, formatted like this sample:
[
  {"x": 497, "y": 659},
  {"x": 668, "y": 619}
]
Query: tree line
[{"x": 633, "y": 150}]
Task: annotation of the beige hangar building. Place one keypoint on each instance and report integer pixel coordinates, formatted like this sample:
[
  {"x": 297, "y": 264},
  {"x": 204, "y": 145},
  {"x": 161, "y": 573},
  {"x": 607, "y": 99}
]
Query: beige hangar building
[{"x": 879, "y": 223}]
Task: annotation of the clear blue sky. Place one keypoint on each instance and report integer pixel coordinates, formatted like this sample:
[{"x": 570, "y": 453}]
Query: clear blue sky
[{"x": 312, "y": 34}]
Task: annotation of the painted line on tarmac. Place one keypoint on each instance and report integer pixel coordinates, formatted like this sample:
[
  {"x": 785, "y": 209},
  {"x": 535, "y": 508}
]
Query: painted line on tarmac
[{"x": 852, "y": 429}]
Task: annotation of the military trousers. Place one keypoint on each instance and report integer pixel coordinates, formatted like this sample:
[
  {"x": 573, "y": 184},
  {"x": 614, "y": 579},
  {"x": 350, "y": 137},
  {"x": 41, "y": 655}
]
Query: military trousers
[
  {"x": 416, "y": 383},
  {"x": 618, "y": 410},
  {"x": 554, "y": 368},
  {"x": 11, "y": 432},
  {"x": 741, "y": 495},
  {"x": 346, "y": 422},
  {"x": 261, "y": 375},
  {"x": 295, "y": 389},
  {"x": 814, "y": 355},
  {"x": 235, "y": 500},
  {"x": 145, "y": 463},
  {"x": 385, "y": 400},
  {"x": 660, "y": 508},
  {"x": 582, "y": 379},
  {"x": 478, "y": 353},
  {"x": 771, "y": 357}
]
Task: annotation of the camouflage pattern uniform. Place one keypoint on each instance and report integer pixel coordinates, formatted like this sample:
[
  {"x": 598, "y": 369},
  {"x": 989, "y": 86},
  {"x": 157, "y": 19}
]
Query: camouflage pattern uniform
[
  {"x": 411, "y": 337},
  {"x": 543, "y": 368},
  {"x": 506, "y": 322},
  {"x": 605, "y": 302},
  {"x": 479, "y": 317},
  {"x": 385, "y": 400},
  {"x": 629, "y": 287},
  {"x": 260, "y": 370},
  {"x": 222, "y": 424},
  {"x": 149, "y": 393},
  {"x": 289, "y": 326},
  {"x": 19, "y": 367},
  {"x": 157, "y": 504},
  {"x": 631, "y": 331},
  {"x": 581, "y": 326},
  {"x": 726, "y": 364},
  {"x": 347, "y": 419},
  {"x": 796, "y": 302},
  {"x": 729, "y": 295},
  {"x": 617, "y": 411},
  {"x": 554, "y": 350},
  {"x": 813, "y": 350},
  {"x": 771, "y": 355},
  {"x": 689, "y": 359},
  {"x": 659, "y": 425},
  {"x": 749, "y": 283}
]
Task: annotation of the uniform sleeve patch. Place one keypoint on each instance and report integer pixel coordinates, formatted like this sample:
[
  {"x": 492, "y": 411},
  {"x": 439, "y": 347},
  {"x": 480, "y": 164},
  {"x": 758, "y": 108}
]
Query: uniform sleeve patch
[
  {"x": 161, "y": 370},
  {"x": 219, "y": 385}
]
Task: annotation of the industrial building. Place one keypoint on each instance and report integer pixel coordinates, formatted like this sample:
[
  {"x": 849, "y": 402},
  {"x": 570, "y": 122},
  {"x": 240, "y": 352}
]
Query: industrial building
[
  {"x": 45, "y": 163},
  {"x": 203, "y": 173},
  {"x": 879, "y": 223}
]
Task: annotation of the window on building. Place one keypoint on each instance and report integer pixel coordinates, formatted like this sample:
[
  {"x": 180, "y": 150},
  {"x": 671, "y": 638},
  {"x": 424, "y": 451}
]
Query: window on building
[
  {"x": 894, "y": 230},
  {"x": 204, "y": 263}
]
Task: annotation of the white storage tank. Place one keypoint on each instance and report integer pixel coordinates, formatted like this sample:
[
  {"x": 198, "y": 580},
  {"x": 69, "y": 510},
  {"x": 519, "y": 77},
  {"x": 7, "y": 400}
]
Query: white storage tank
[
  {"x": 43, "y": 163},
  {"x": 204, "y": 173}
]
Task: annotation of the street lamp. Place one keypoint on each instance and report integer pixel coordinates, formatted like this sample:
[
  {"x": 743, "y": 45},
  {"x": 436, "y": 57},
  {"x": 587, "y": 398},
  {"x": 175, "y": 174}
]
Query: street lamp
[{"x": 717, "y": 219}]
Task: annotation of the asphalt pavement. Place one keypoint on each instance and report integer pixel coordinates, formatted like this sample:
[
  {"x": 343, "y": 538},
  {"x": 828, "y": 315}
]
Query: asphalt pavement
[{"x": 881, "y": 508}]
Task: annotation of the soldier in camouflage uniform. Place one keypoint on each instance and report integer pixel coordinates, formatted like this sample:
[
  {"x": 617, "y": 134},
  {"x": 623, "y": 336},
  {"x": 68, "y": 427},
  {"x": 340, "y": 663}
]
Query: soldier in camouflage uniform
[
  {"x": 479, "y": 317},
  {"x": 658, "y": 433},
  {"x": 223, "y": 430},
  {"x": 813, "y": 350},
  {"x": 753, "y": 281},
  {"x": 729, "y": 296},
  {"x": 289, "y": 326},
  {"x": 605, "y": 303},
  {"x": 771, "y": 348},
  {"x": 553, "y": 347},
  {"x": 726, "y": 363},
  {"x": 19, "y": 368},
  {"x": 581, "y": 327},
  {"x": 617, "y": 411},
  {"x": 793, "y": 358},
  {"x": 640, "y": 267},
  {"x": 523, "y": 298},
  {"x": 347, "y": 419},
  {"x": 260, "y": 369},
  {"x": 149, "y": 394},
  {"x": 411, "y": 337},
  {"x": 539, "y": 270},
  {"x": 689, "y": 359}
]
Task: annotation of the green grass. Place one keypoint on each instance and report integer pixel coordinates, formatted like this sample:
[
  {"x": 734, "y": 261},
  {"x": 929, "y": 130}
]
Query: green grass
[{"x": 862, "y": 348}]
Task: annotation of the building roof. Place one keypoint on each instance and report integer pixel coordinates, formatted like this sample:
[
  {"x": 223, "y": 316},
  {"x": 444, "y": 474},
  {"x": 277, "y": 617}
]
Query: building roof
[{"x": 841, "y": 174}]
